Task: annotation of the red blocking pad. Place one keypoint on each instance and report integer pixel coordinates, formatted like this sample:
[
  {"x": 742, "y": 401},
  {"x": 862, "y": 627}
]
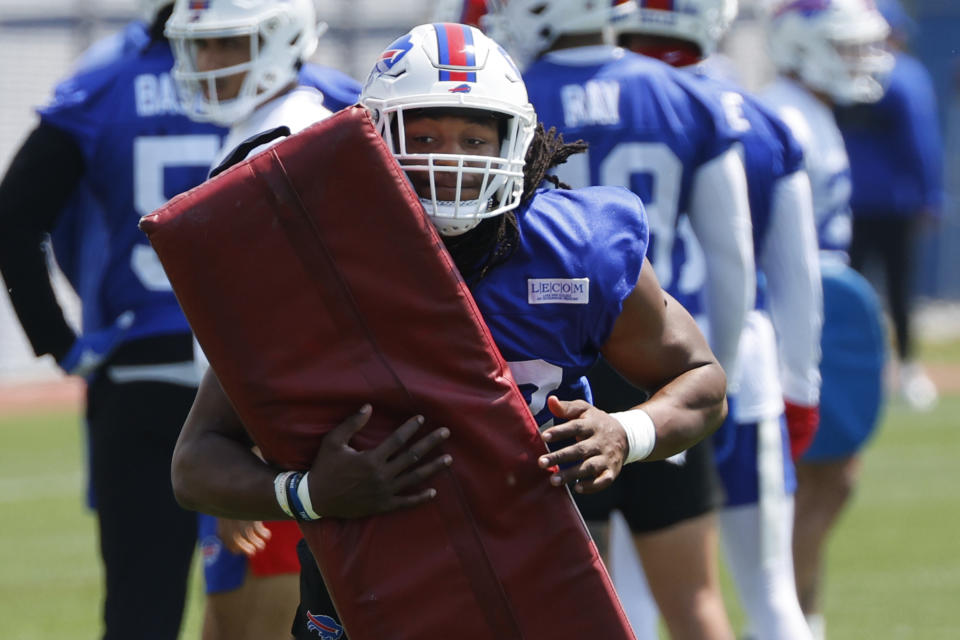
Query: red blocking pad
[{"x": 316, "y": 283}]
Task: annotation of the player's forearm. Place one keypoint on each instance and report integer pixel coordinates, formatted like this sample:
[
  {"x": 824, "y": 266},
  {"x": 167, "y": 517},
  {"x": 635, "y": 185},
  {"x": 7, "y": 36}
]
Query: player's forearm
[
  {"x": 41, "y": 178},
  {"x": 223, "y": 477},
  {"x": 791, "y": 264},
  {"x": 214, "y": 469},
  {"x": 688, "y": 409}
]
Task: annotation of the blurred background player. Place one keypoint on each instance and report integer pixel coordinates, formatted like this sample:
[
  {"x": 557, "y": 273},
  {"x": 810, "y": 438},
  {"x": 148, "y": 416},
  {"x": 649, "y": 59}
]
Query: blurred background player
[
  {"x": 493, "y": 237},
  {"x": 660, "y": 134},
  {"x": 238, "y": 64},
  {"x": 753, "y": 448},
  {"x": 467, "y": 12},
  {"x": 114, "y": 135},
  {"x": 896, "y": 165},
  {"x": 830, "y": 53}
]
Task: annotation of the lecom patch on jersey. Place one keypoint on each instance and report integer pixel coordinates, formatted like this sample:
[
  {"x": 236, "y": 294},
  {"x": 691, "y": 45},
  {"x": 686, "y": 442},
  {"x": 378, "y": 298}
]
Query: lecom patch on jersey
[{"x": 558, "y": 290}]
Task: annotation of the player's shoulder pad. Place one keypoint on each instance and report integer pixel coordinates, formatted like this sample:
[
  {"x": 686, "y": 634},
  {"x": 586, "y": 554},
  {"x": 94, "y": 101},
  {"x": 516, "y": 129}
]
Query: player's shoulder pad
[
  {"x": 94, "y": 83},
  {"x": 339, "y": 90},
  {"x": 594, "y": 222},
  {"x": 781, "y": 131}
]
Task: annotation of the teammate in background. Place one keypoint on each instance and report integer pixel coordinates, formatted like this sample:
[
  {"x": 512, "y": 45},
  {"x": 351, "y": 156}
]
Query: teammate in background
[
  {"x": 753, "y": 448},
  {"x": 659, "y": 133},
  {"x": 237, "y": 64},
  {"x": 114, "y": 134},
  {"x": 896, "y": 163},
  {"x": 459, "y": 11},
  {"x": 491, "y": 236},
  {"x": 830, "y": 53}
]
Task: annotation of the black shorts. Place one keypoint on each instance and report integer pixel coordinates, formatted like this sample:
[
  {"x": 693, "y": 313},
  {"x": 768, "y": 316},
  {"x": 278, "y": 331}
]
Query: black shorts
[
  {"x": 651, "y": 495},
  {"x": 656, "y": 495},
  {"x": 316, "y": 615}
]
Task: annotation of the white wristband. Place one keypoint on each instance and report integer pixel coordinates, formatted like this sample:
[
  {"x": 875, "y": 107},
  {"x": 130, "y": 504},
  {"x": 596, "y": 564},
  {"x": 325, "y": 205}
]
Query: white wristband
[
  {"x": 641, "y": 434},
  {"x": 280, "y": 488},
  {"x": 303, "y": 492}
]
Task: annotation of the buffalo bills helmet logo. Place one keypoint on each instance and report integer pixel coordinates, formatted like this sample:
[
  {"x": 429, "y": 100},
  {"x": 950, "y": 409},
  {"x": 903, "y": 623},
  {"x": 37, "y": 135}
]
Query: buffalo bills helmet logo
[
  {"x": 394, "y": 53},
  {"x": 461, "y": 88},
  {"x": 325, "y": 626}
]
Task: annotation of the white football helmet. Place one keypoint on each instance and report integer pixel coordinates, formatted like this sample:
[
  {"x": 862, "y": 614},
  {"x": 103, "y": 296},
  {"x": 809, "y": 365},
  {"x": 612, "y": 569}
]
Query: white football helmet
[
  {"x": 701, "y": 22},
  {"x": 454, "y": 66},
  {"x": 282, "y": 33},
  {"x": 834, "y": 46},
  {"x": 150, "y": 8},
  {"x": 529, "y": 27}
]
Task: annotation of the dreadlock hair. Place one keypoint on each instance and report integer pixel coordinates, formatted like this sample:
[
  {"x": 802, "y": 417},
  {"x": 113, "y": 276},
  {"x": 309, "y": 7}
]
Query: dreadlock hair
[
  {"x": 156, "y": 29},
  {"x": 495, "y": 239}
]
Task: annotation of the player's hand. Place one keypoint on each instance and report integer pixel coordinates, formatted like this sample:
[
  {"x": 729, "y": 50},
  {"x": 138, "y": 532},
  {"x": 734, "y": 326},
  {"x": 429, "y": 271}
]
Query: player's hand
[
  {"x": 347, "y": 483},
  {"x": 90, "y": 350},
  {"x": 243, "y": 536},
  {"x": 597, "y": 456}
]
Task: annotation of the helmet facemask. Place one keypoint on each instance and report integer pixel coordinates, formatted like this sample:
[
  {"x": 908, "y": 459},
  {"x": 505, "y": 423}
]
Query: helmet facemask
[
  {"x": 836, "y": 48},
  {"x": 278, "y": 37}
]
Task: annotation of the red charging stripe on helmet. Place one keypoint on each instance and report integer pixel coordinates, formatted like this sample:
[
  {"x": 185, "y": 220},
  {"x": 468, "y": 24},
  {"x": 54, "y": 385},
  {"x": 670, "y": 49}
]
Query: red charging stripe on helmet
[
  {"x": 663, "y": 5},
  {"x": 457, "y": 54}
]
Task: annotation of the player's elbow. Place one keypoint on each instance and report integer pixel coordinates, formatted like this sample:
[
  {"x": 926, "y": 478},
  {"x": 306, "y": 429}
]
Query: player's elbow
[
  {"x": 182, "y": 477},
  {"x": 715, "y": 407}
]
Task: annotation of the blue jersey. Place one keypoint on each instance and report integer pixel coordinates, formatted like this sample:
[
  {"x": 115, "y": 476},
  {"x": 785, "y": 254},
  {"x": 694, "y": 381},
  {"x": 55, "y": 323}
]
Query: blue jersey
[
  {"x": 551, "y": 306},
  {"x": 770, "y": 153},
  {"x": 339, "y": 90},
  {"x": 80, "y": 233},
  {"x": 649, "y": 128},
  {"x": 896, "y": 155},
  {"x": 139, "y": 150}
]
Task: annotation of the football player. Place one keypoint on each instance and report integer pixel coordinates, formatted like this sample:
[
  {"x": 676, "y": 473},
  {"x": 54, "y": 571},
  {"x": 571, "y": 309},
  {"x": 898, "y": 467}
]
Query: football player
[
  {"x": 751, "y": 451},
  {"x": 829, "y": 53},
  {"x": 896, "y": 162},
  {"x": 241, "y": 64},
  {"x": 663, "y": 135},
  {"x": 114, "y": 144},
  {"x": 476, "y": 159}
]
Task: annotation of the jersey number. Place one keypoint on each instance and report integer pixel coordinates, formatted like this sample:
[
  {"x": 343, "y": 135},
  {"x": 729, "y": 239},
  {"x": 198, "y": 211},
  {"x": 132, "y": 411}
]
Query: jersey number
[
  {"x": 655, "y": 173},
  {"x": 152, "y": 156}
]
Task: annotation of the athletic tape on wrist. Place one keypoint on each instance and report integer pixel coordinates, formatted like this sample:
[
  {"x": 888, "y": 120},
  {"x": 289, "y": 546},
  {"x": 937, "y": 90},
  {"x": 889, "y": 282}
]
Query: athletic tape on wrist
[
  {"x": 280, "y": 489},
  {"x": 293, "y": 483},
  {"x": 641, "y": 433},
  {"x": 303, "y": 492}
]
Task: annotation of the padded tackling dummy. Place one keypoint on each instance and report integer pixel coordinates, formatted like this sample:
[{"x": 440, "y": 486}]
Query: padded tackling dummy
[{"x": 315, "y": 283}]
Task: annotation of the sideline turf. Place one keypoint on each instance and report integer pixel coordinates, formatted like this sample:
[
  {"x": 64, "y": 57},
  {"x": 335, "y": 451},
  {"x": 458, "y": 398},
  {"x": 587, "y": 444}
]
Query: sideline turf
[
  {"x": 894, "y": 561},
  {"x": 50, "y": 575}
]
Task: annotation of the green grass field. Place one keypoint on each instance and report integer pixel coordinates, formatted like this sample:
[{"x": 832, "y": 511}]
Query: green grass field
[{"x": 894, "y": 562}]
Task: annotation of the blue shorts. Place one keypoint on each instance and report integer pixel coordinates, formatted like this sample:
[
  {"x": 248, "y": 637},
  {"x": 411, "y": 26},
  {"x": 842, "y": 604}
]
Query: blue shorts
[
  {"x": 736, "y": 452},
  {"x": 222, "y": 570},
  {"x": 854, "y": 351}
]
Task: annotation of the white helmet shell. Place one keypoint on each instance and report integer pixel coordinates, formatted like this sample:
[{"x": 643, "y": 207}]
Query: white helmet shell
[
  {"x": 454, "y": 66},
  {"x": 282, "y": 33},
  {"x": 833, "y": 46},
  {"x": 701, "y": 22},
  {"x": 528, "y": 27}
]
